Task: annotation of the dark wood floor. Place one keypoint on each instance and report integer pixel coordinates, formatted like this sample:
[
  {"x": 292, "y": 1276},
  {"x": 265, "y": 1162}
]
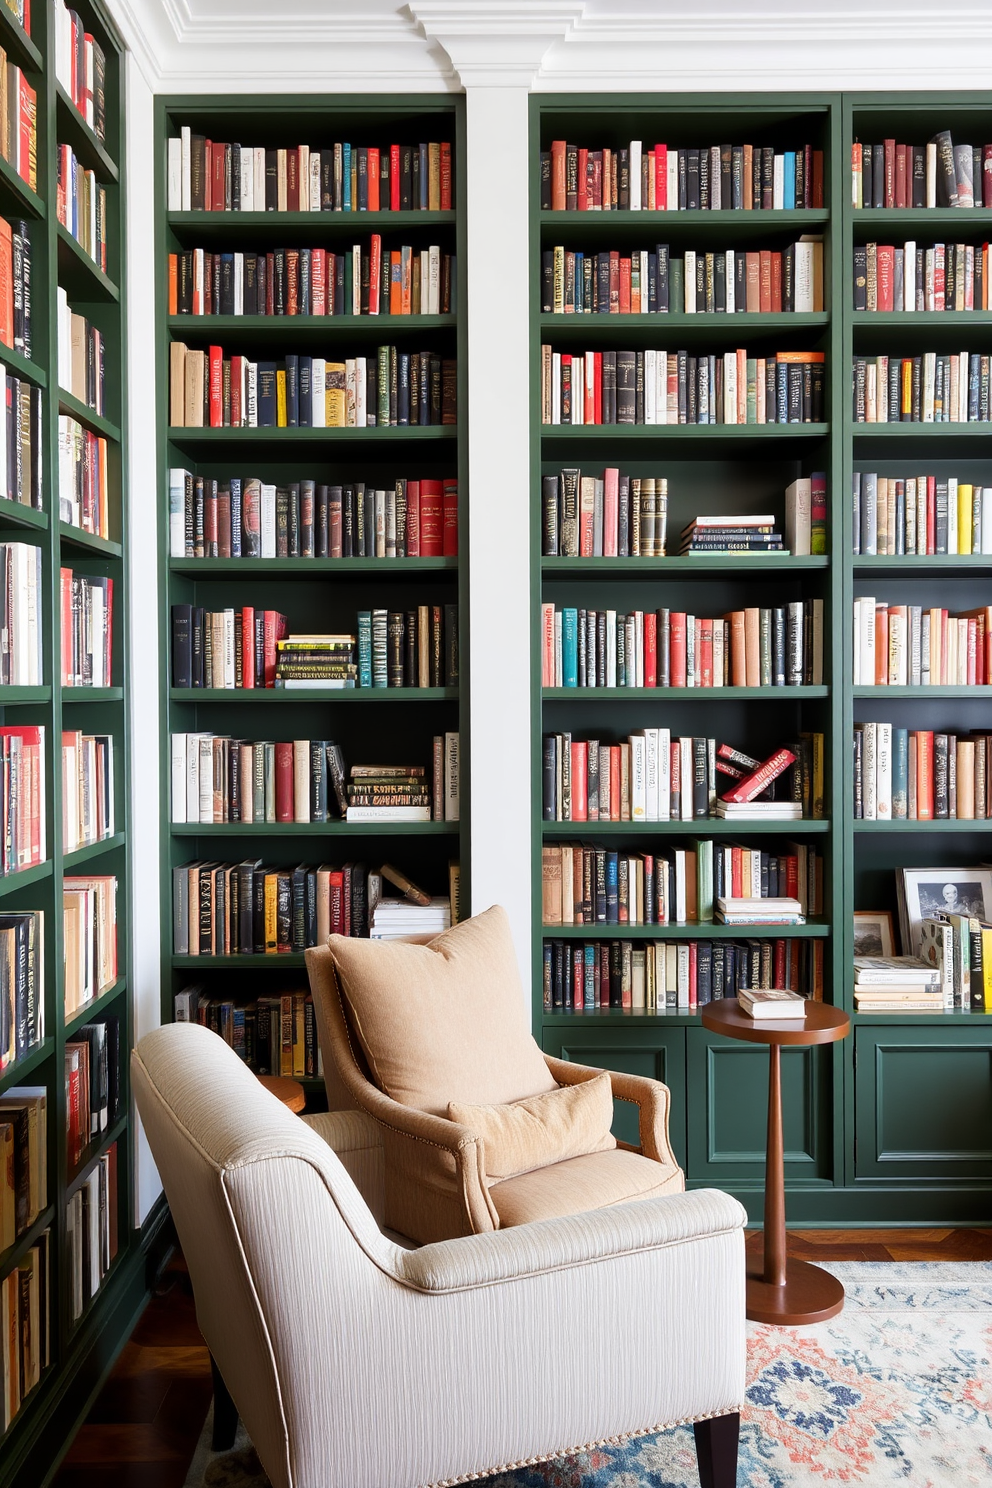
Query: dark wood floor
[{"x": 143, "y": 1429}]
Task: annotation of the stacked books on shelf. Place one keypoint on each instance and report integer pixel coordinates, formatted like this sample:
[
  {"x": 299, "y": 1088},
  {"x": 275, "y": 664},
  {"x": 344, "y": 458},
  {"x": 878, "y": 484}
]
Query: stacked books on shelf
[
  {"x": 673, "y": 976},
  {"x": 21, "y": 657},
  {"x": 89, "y": 919},
  {"x": 902, "y": 645},
  {"x": 939, "y": 173},
  {"x": 87, "y": 788},
  {"x": 21, "y": 445},
  {"x": 928, "y": 389},
  {"x": 22, "y": 984},
  {"x": 774, "y": 1003},
  {"x": 417, "y": 914},
  {"x": 392, "y": 389},
  {"x": 81, "y": 205},
  {"x": 754, "y": 534},
  {"x": 919, "y": 775},
  {"x": 15, "y": 286},
  {"x": 236, "y": 517},
  {"x": 757, "y": 647},
  {"x": 921, "y": 514},
  {"x": 659, "y": 387},
  {"x": 653, "y": 776},
  {"x": 91, "y": 1229},
  {"x": 652, "y": 282},
  {"x": 311, "y": 661},
  {"x": 314, "y": 281},
  {"x": 582, "y": 884},
  {"x": 669, "y": 178},
  {"x": 81, "y": 356},
  {"x": 24, "y": 1146},
  {"x": 273, "y": 1035},
  {"x": 403, "y": 793},
  {"x": 86, "y": 630},
  {"x": 19, "y": 123},
  {"x": 84, "y": 475},
  {"x": 946, "y": 276},
  {"x": 26, "y": 1304},
  {"x": 782, "y": 910},
  {"x": 80, "y": 66},
  {"x": 207, "y": 176},
  {"x": 23, "y": 832},
  {"x": 897, "y": 984}
]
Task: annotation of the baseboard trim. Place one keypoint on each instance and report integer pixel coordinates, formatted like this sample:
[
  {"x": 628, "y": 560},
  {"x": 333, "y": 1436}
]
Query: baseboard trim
[{"x": 892, "y": 1206}]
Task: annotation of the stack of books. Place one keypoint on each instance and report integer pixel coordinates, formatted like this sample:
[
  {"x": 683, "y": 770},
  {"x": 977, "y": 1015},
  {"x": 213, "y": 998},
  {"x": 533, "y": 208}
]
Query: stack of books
[
  {"x": 757, "y": 911},
  {"x": 736, "y": 534},
  {"x": 394, "y": 793},
  {"x": 307, "y": 661},
  {"x": 759, "y": 810},
  {"x": 399, "y": 919},
  {"x": 775, "y": 1003},
  {"x": 897, "y": 984}
]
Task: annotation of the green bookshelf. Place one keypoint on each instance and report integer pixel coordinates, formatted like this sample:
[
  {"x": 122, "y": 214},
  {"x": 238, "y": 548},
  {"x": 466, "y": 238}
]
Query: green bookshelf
[
  {"x": 890, "y": 1126},
  {"x": 315, "y": 594}
]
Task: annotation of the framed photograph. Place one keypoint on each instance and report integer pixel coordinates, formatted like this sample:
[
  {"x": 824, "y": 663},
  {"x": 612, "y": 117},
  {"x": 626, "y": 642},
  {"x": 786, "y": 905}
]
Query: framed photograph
[
  {"x": 926, "y": 891},
  {"x": 874, "y": 933}
]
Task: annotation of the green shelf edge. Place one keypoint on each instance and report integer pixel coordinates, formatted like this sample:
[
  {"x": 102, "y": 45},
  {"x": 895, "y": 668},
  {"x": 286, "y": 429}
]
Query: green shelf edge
[
  {"x": 103, "y": 286},
  {"x": 812, "y": 930},
  {"x": 72, "y": 860},
  {"x": 681, "y": 694},
  {"x": 19, "y": 515},
  {"x": 918, "y": 430},
  {"x": 947, "y": 563},
  {"x": 23, "y": 1243},
  {"x": 92, "y": 694},
  {"x": 28, "y": 201},
  {"x": 289, "y": 959},
  {"x": 283, "y": 324},
  {"x": 87, "y": 416},
  {"x": 425, "y": 433},
  {"x": 105, "y": 547},
  {"x": 261, "y": 568},
  {"x": 692, "y": 431},
  {"x": 13, "y": 695},
  {"x": 335, "y": 221},
  {"x": 101, "y": 161},
  {"x": 94, "y": 1151},
  {"x": 803, "y": 217},
  {"x": 314, "y": 695},
  {"x": 10, "y": 883},
  {"x": 22, "y": 366},
  {"x": 910, "y": 828},
  {"x": 786, "y": 320},
  {"x": 19, "y": 1070},
  {"x": 290, "y": 830},
  {"x": 563, "y": 831},
  {"x": 921, "y": 320},
  {"x": 879, "y": 694},
  {"x": 14, "y": 35},
  {"x": 738, "y": 564},
  {"x": 94, "y": 1008}
]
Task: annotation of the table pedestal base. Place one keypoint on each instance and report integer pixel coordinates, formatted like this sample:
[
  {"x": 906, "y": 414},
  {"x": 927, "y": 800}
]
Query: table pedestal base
[{"x": 810, "y": 1295}]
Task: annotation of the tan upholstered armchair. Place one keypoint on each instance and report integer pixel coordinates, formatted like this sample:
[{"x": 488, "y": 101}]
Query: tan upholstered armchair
[
  {"x": 355, "y": 1363},
  {"x": 405, "y": 1030}
]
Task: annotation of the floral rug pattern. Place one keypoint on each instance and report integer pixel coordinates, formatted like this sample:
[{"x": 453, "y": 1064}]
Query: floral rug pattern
[{"x": 896, "y": 1392}]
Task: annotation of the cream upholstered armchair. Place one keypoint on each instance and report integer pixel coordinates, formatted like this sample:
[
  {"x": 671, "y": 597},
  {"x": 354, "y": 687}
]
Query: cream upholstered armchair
[
  {"x": 356, "y": 1363},
  {"x": 432, "y": 1041}
]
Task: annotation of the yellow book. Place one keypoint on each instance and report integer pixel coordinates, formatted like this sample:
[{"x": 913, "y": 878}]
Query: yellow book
[
  {"x": 335, "y": 396},
  {"x": 299, "y": 1036},
  {"x": 965, "y": 498},
  {"x": 987, "y": 966},
  {"x": 281, "y": 399},
  {"x": 271, "y": 915}
]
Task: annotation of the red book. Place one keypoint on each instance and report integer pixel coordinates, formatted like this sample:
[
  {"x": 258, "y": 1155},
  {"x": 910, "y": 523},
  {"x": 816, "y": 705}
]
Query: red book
[
  {"x": 216, "y": 387},
  {"x": 650, "y": 649},
  {"x": 248, "y": 646},
  {"x": 412, "y": 519},
  {"x": 615, "y": 757},
  {"x": 661, "y": 177},
  {"x": 817, "y": 194},
  {"x": 217, "y": 194},
  {"x": 445, "y": 177},
  {"x": 394, "y": 178},
  {"x": 611, "y": 510},
  {"x": 776, "y": 265},
  {"x": 890, "y": 172},
  {"x": 580, "y": 781},
  {"x": 450, "y": 519},
  {"x": 284, "y": 783},
  {"x": 336, "y": 888},
  {"x": 676, "y": 648},
  {"x": 236, "y": 374},
  {"x": 375, "y": 273},
  {"x": 614, "y": 283},
  {"x": 705, "y": 653},
  {"x": 275, "y": 627},
  {"x": 778, "y": 971},
  {"x": 373, "y": 177},
  {"x": 791, "y": 881},
  {"x": 675, "y": 772},
  {"x": 431, "y": 519},
  {"x": 6, "y": 284},
  {"x": 760, "y": 779},
  {"x": 598, "y": 386},
  {"x": 604, "y": 976}
]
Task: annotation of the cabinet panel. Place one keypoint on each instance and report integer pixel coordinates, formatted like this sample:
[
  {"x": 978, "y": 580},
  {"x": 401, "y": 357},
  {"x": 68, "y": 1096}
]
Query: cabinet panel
[
  {"x": 728, "y": 1082},
  {"x": 657, "y": 1053},
  {"x": 924, "y": 1103}
]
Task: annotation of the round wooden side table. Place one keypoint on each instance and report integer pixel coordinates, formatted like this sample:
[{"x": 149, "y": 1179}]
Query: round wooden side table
[
  {"x": 290, "y": 1092},
  {"x": 781, "y": 1290}
]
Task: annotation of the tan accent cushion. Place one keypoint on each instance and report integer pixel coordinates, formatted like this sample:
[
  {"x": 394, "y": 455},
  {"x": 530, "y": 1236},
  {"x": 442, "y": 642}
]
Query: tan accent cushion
[
  {"x": 445, "y": 1021},
  {"x": 581, "y": 1183},
  {"x": 543, "y": 1129}
]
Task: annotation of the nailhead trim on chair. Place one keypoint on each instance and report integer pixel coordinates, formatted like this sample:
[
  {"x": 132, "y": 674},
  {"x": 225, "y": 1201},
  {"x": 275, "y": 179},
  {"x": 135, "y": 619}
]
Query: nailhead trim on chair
[{"x": 604, "y": 1441}]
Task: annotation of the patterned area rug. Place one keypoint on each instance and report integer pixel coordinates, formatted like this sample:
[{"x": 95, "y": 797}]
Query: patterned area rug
[{"x": 897, "y": 1390}]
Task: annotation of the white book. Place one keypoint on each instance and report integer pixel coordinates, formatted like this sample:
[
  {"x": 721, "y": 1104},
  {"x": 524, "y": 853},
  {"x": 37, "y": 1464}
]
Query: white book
[
  {"x": 664, "y": 774},
  {"x": 239, "y": 284},
  {"x": 229, "y": 664},
  {"x": 388, "y": 814},
  {"x": 186, "y": 168},
  {"x": 682, "y": 973},
  {"x": 883, "y": 772},
  {"x": 730, "y": 281},
  {"x": 986, "y": 546},
  {"x": 301, "y": 780},
  {"x": 92, "y": 1187},
  {"x": 650, "y": 387},
  {"x": 672, "y": 192},
  {"x": 175, "y": 174},
  {"x": 798, "y": 516},
  {"x": 638, "y": 778},
  {"x": 251, "y": 397},
  {"x": 897, "y": 658},
  {"x": 452, "y": 779},
  {"x": 909, "y": 276},
  {"x": 268, "y": 520},
  {"x": 361, "y": 392},
  {"x": 611, "y": 647},
  {"x": 685, "y": 774},
  {"x": 729, "y": 387},
  {"x": 247, "y": 177},
  {"x": 314, "y": 186},
  {"x": 932, "y": 174},
  {"x": 304, "y": 177},
  {"x": 192, "y": 781},
  {"x": 778, "y": 184},
  {"x": 868, "y": 771},
  {"x": 689, "y": 281},
  {"x": 318, "y": 391},
  {"x": 651, "y": 774},
  {"x": 205, "y": 779},
  {"x": 177, "y": 513},
  {"x": 952, "y": 514},
  {"x": 556, "y": 387},
  {"x": 803, "y": 271},
  {"x": 635, "y": 175}
]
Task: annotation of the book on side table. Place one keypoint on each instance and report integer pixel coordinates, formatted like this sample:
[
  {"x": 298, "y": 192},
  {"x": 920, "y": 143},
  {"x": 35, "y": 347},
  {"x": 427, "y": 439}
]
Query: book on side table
[{"x": 774, "y": 1003}]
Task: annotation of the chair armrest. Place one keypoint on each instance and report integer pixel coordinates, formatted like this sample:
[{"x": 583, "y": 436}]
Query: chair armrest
[
  {"x": 574, "y": 1240},
  {"x": 345, "y": 1131},
  {"x": 652, "y": 1098}
]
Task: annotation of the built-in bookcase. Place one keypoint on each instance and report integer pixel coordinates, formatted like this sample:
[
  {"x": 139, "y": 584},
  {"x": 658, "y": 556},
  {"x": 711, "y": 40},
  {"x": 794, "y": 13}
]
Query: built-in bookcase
[
  {"x": 389, "y": 725},
  {"x": 890, "y": 1125},
  {"x": 57, "y": 260}
]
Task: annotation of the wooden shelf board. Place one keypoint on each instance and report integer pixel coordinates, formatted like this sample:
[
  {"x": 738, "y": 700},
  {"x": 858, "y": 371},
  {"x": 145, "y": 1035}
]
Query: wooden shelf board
[
  {"x": 740, "y": 565},
  {"x": 708, "y": 827},
  {"x": 292, "y": 830},
  {"x": 72, "y": 860},
  {"x": 95, "y": 1007},
  {"x": 10, "y": 883},
  {"x": 682, "y": 694},
  {"x": 313, "y": 695},
  {"x": 812, "y": 930},
  {"x": 17, "y": 1072},
  {"x": 324, "y": 568},
  {"x": 84, "y": 140},
  {"x": 76, "y": 537},
  {"x": 87, "y": 416}
]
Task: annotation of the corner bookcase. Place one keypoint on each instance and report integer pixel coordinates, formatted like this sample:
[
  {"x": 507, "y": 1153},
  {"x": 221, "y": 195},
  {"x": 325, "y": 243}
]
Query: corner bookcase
[
  {"x": 892, "y": 1125},
  {"x": 378, "y": 726},
  {"x": 80, "y": 1349}
]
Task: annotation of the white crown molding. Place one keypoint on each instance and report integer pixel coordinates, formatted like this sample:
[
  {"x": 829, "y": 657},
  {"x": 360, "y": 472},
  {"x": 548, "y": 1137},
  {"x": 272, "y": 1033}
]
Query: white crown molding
[{"x": 497, "y": 43}]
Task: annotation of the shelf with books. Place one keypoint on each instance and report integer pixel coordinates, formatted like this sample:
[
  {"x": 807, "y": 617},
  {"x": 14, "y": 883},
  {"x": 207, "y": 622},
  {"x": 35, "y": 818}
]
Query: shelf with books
[
  {"x": 712, "y": 326},
  {"x": 266, "y": 227},
  {"x": 308, "y": 328},
  {"x": 399, "y": 569},
  {"x": 22, "y": 878},
  {"x": 79, "y": 274},
  {"x": 79, "y": 1172},
  {"x": 72, "y": 860},
  {"x": 87, "y": 416},
  {"x": 185, "y": 436},
  {"x": 284, "y": 695},
  {"x": 923, "y": 693},
  {"x": 923, "y": 219},
  {"x": 76, "y": 537},
  {"x": 16, "y": 514},
  {"x": 671, "y": 695},
  {"x": 698, "y": 827},
  {"x": 614, "y": 436},
  {"x": 291, "y": 830},
  {"x": 91, "y": 150},
  {"x": 604, "y": 227},
  {"x": 16, "y": 196},
  {"x": 904, "y": 827},
  {"x": 22, "y": 366},
  {"x": 740, "y": 565},
  {"x": 698, "y": 930},
  {"x": 17, "y": 43},
  {"x": 18, "y": 1072},
  {"x": 23, "y": 1243},
  {"x": 93, "y": 1010}
]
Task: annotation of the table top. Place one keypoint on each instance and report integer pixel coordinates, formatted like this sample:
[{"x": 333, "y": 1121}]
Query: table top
[
  {"x": 823, "y": 1024},
  {"x": 290, "y": 1092}
]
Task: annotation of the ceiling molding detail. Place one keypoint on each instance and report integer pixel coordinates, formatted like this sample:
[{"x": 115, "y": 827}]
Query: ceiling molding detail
[{"x": 497, "y": 43}]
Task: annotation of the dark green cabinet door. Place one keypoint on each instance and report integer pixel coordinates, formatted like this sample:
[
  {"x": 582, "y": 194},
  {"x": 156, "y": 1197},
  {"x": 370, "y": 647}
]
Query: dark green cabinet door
[
  {"x": 924, "y": 1102},
  {"x": 657, "y": 1053},
  {"x": 728, "y": 1089}
]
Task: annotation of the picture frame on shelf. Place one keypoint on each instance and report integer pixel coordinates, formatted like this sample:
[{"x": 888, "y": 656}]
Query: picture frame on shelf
[
  {"x": 924, "y": 892},
  {"x": 874, "y": 933}
]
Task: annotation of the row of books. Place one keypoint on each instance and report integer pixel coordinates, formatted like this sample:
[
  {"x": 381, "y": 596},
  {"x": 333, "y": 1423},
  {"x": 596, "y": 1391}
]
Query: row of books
[
  {"x": 653, "y": 776},
  {"x": 84, "y": 478},
  {"x": 658, "y": 387},
  {"x": 314, "y": 281},
  {"x": 92, "y": 1076},
  {"x": 756, "y": 647},
  {"x": 22, "y": 798},
  {"x": 918, "y": 775},
  {"x": 217, "y": 779},
  {"x": 26, "y": 1321},
  {"x": 81, "y": 356},
  {"x": 273, "y": 1035},
  {"x": 89, "y": 917},
  {"x": 392, "y": 389},
  {"x": 958, "y": 947},
  {"x": 15, "y": 286},
  {"x": 673, "y": 976},
  {"x": 80, "y": 66},
  {"x": 18, "y": 122},
  {"x": 673, "y": 178},
  {"x": 584, "y": 884},
  {"x": 209, "y": 176},
  {"x": 81, "y": 205},
  {"x": 21, "y": 442},
  {"x": 921, "y": 514},
  {"x": 937, "y": 174},
  {"x": 87, "y": 629},
  {"x": 87, "y": 788},
  {"x": 235, "y": 517},
  {"x": 22, "y": 984},
  {"x": 645, "y": 282},
  {"x": 91, "y": 1231},
  {"x": 900, "y": 645},
  {"x": 21, "y": 605},
  {"x": 24, "y": 1168},
  {"x": 928, "y": 389},
  {"x": 948, "y": 276}
]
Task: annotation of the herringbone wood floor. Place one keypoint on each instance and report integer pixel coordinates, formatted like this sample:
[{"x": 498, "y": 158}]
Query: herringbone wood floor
[{"x": 143, "y": 1429}]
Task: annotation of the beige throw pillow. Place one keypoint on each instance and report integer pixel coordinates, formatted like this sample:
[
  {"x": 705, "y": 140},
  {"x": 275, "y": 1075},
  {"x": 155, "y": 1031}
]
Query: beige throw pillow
[
  {"x": 570, "y": 1121},
  {"x": 444, "y": 1021}
]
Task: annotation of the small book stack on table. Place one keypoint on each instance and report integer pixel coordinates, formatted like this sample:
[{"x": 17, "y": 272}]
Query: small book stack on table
[{"x": 776, "y": 1004}]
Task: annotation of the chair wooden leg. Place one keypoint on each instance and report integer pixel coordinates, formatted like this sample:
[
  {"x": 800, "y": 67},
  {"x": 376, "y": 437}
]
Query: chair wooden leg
[
  {"x": 716, "y": 1450},
  {"x": 225, "y": 1413}
]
